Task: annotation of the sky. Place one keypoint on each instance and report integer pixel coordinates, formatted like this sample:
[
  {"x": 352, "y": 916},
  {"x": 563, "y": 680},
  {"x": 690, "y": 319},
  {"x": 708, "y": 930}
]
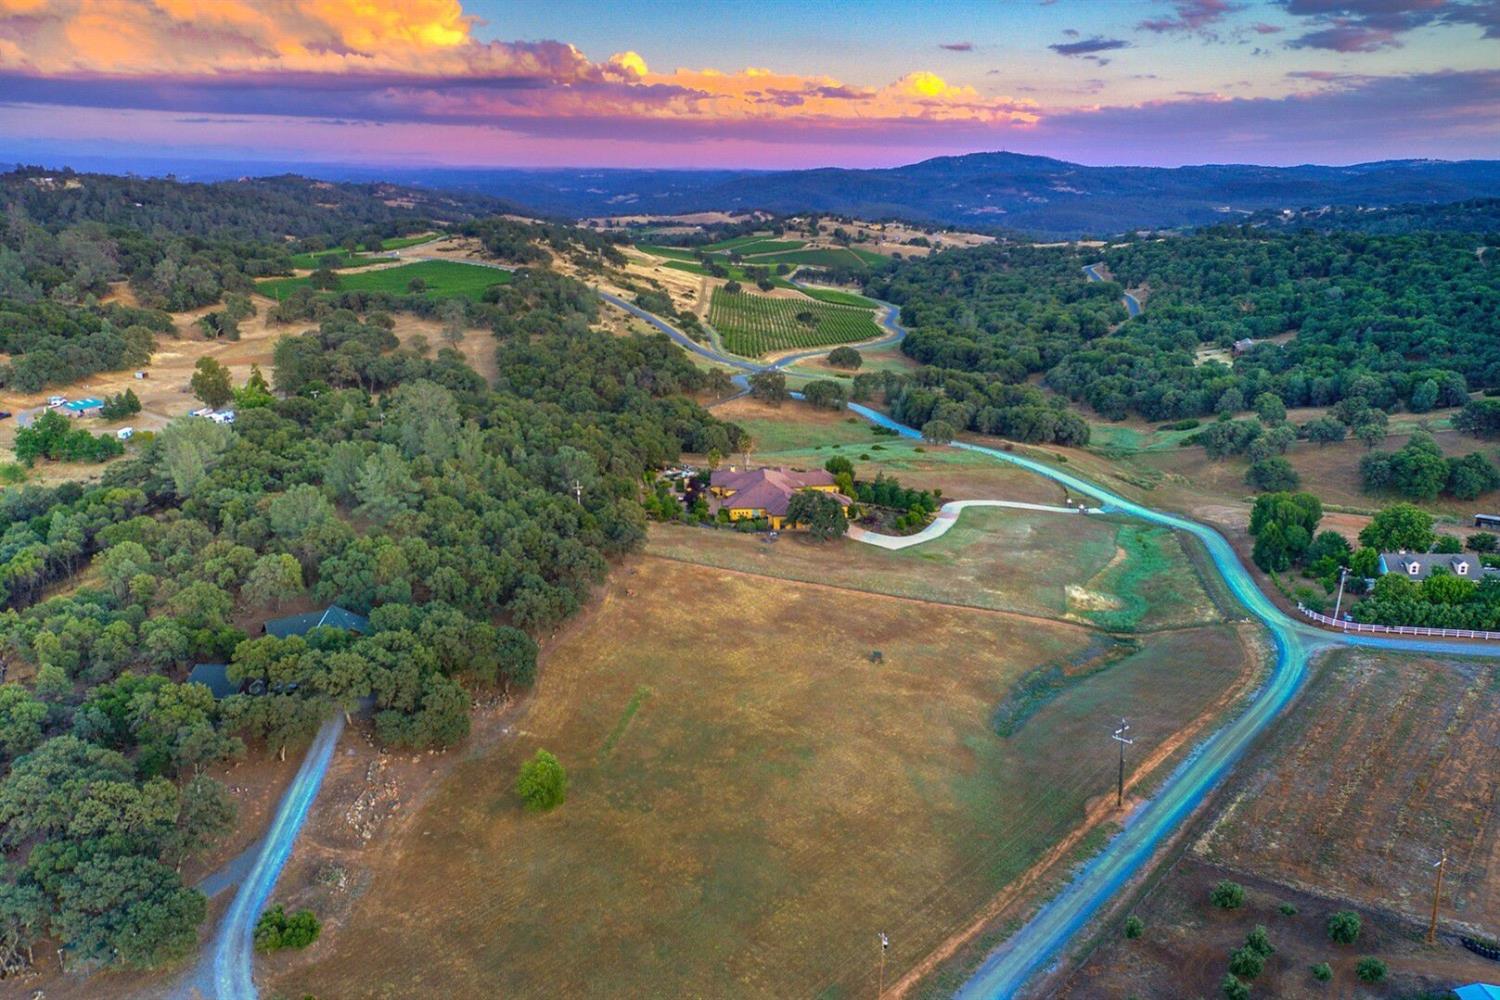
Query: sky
[{"x": 765, "y": 85}]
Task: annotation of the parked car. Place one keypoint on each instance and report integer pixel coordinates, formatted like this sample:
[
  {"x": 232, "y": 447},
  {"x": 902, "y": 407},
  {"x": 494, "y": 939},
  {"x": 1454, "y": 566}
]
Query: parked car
[
  {"x": 125, "y": 433},
  {"x": 4, "y": 414},
  {"x": 56, "y": 400}
]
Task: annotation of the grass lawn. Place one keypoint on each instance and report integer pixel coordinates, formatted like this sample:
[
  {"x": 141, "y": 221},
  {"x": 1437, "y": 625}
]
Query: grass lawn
[
  {"x": 444, "y": 278},
  {"x": 751, "y": 798}
]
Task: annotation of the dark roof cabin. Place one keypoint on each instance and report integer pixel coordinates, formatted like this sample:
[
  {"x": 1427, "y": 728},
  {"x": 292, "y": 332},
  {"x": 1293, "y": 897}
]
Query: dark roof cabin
[
  {"x": 332, "y": 617},
  {"x": 215, "y": 677}
]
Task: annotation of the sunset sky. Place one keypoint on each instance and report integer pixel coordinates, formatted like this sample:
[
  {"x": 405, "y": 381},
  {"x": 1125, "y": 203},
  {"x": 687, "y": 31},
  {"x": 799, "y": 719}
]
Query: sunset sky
[{"x": 764, "y": 85}]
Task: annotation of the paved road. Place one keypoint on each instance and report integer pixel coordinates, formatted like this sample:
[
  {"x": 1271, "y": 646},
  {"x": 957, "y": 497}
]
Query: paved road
[
  {"x": 225, "y": 971},
  {"x": 1038, "y": 943},
  {"x": 1132, "y": 304},
  {"x": 947, "y": 517}
]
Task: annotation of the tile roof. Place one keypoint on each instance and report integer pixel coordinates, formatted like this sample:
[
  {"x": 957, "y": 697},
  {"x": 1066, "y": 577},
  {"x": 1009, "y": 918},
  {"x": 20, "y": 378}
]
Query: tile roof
[{"x": 770, "y": 490}]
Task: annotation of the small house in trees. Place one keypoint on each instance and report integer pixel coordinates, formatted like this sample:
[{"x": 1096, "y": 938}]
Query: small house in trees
[
  {"x": 332, "y": 616},
  {"x": 1242, "y": 346},
  {"x": 215, "y": 677},
  {"x": 1420, "y": 565},
  {"x": 764, "y": 494}
]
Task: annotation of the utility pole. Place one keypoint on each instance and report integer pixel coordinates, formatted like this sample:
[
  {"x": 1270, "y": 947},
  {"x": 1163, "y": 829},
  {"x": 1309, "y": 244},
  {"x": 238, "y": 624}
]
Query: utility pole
[
  {"x": 1437, "y": 892},
  {"x": 885, "y": 944},
  {"x": 1343, "y": 575},
  {"x": 578, "y": 492},
  {"x": 1120, "y": 738}
]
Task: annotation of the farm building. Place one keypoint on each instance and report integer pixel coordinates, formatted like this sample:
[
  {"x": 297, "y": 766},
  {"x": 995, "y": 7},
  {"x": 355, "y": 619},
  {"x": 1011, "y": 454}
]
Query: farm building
[
  {"x": 1487, "y": 520},
  {"x": 332, "y": 616},
  {"x": 765, "y": 493},
  {"x": 1478, "y": 991},
  {"x": 1242, "y": 346},
  {"x": 1421, "y": 565},
  {"x": 83, "y": 407}
]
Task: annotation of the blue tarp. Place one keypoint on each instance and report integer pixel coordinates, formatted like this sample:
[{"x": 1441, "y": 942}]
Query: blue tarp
[{"x": 1478, "y": 991}]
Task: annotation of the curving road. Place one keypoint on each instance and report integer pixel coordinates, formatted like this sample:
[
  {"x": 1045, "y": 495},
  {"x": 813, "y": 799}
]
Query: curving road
[{"x": 1132, "y": 304}]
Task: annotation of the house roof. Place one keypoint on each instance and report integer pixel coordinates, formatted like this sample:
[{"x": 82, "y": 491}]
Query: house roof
[
  {"x": 333, "y": 616},
  {"x": 792, "y": 479},
  {"x": 1419, "y": 565},
  {"x": 769, "y": 490},
  {"x": 1478, "y": 991},
  {"x": 215, "y": 677}
]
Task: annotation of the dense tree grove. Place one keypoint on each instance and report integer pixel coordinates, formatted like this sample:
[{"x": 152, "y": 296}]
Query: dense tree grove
[
  {"x": 1400, "y": 320},
  {"x": 463, "y": 519}
]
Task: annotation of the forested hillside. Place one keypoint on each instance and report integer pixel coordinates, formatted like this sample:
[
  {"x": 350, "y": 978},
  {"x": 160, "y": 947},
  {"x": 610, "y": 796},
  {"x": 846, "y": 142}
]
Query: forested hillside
[
  {"x": 462, "y": 518},
  {"x": 1406, "y": 320}
]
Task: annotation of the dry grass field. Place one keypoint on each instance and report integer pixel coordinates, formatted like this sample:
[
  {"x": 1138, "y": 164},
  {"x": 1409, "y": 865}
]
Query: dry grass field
[
  {"x": 751, "y": 797},
  {"x": 1388, "y": 761}
]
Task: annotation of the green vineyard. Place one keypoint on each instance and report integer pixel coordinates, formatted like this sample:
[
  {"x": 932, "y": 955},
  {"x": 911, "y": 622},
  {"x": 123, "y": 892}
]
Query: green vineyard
[{"x": 752, "y": 325}]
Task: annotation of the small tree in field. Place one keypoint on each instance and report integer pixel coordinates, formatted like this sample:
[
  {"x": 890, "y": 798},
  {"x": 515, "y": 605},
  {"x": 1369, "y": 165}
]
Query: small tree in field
[
  {"x": 542, "y": 784},
  {"x": 276, "y": 929},
  {"x": 211, "y": 383},
  {"x": 1227, "y": 895},
  {"x": 1233, "y": 988},
  {"x": 1370, "y": 970},
  {"x": 1322, "y": 972},
  {"x": 1259, "y": 942},
  {"x": 1343, "y": 927},
  {"x": 1133, "y": 927},
  {"x": 1246, "y": 962}
]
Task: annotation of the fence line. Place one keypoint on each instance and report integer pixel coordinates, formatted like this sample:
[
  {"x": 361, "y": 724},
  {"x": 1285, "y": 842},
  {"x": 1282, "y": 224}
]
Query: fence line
[{"x": 1444, "y": 633}]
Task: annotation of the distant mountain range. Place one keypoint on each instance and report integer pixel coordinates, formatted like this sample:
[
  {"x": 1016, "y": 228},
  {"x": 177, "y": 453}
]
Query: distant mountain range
[
  {"x": 995, "y": 191},
  {"x": 1028, "y": 194}
]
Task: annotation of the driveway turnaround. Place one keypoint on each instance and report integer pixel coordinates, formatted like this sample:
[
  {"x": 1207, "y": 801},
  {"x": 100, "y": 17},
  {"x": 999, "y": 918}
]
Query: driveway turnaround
[{"x": 947, "y": 517}]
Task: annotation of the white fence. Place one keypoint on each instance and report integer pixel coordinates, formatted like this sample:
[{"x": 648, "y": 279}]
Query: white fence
[{"x": 1444, "y": 633}]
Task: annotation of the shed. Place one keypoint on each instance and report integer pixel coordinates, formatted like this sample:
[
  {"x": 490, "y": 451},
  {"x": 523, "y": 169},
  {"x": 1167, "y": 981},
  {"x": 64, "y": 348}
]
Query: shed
[
  {"x": 1487, "y": 520},
  {"x": 332, "y": 617},
  {"x": 215, "y": 677},
  {"x": 1478, "y": 991}
]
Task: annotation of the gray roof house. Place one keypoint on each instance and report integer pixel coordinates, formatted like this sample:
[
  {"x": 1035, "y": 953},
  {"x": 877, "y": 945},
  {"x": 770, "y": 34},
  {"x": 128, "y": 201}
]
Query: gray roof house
[
  {"x": 215, "y": 677},
  {"x": 1420, "y": 565},
  {"x": 333, "y": 617}
]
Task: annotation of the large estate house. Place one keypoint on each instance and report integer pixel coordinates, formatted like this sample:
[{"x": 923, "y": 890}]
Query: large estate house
[{"x": 752, "y": 494}]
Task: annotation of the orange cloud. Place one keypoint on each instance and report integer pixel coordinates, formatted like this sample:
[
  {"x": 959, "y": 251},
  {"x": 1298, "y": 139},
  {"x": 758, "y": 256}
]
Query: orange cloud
[{"x": 422, "y": 58}]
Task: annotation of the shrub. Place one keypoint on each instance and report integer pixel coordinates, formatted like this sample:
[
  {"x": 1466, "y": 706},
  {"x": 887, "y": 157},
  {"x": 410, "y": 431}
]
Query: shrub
[
  {"x": 1322, "y": 972},
  {"x": 1370, "y": 970},
  {"x": 1234, "y": 989},
  {"x": 542, "y": 783},
  {"x": 1133, "y": 927},
  {"x": 1482, "y": 541},
  {"x": 1246, "y": 962},
  {"x": 1259, "y": 942},
  {"x": 276, "y": 929},
  {"x": 1227, "y": 895},
  {"x": 1287, "y": 910},
  {"x": 1343, "y": 927}
]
